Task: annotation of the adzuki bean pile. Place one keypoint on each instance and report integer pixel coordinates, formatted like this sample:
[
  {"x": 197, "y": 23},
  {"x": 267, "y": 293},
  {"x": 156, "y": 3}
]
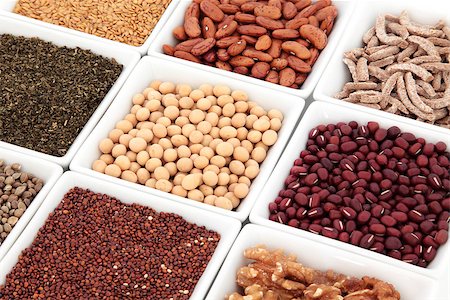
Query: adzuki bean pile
[
  {"x": 380, "y": 189},
  {"x": 95, "y": 247}
]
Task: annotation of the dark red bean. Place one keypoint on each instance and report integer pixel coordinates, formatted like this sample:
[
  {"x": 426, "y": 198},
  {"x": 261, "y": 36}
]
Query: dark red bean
[
  {"x": 315, "y": 213},
  {"x": 355, "y": 237},
  {"x": 429, "y": 254},
  {"x": 350, "y": 226},
  {"x": 426, "y": 226},
  {"x": 429, "y": 241},
  {"x": 349, "y": 213},
  {"x": 378, "y": 229},
  {"x": 367, "y": 241},
  {"x": 380, "y": 134},
  {"x": 315, "y": 228},
  {"x": 293, "y": 223},
  {"x": 389, "y": 221},
  {"x": 377, "y": 211},
  {"x": 344, "y": 237},
  {"x": 393, "y": 243},
  {"x": 338, "y": 224},
  {"x": 415, "y": 216},
  {"x": 391, "y": 231},
  {"x": 410, "y": 258},
  {"x": 393, "y": 132},
  {"x": 314, "y": 201},
  {"x": 411, "y": 239},
  {"x": 441, "y": 237},
  {"x": 330, "y": 232},
  {"x": 349, "y": 146},
  {"x": 395, "y": 254}
]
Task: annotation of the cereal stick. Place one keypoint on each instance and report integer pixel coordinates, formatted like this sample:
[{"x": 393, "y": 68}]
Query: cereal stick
[
  {"x": 419, "y": 52},
  {"x": 444, "y": 121},
  {"x": 436, "y": 67},
  {"x": 371, "y": 105},
  {"x": 383, "y": 62},
  {"x": 362, "y": 72},
  {"x": 407, "y": 67},
  {"x": 446, "y": 30},
  {"x": 418, "y": 29},
  {"x": 424, "y": 59},
  {"x": 412, "y": 93},
  {"x": 398, "y": 29},
  {"x": 406, "y": 53},
  {"x": 424, "y": 44},
  {"x": 368, "y": 35},
  {"x": 378, "y": 73},
  {"x": 399, "y": 104},
  {"x": 349, "y": 100},
  {"x": 444, "y": 50},
  {"x": 380, "y": 29},
  {"x": 439, "y": 42},
  {"x": 355, "y": 86},
  {"x": 401, "y": 90},
  {"x": 428, "y": 88},
  {"x": 392, "y": 18},
  {"x": 354, "y": 54},
  {"x": 439, "y": 25},
  {"x": 389, "y": 51},
  {"x": 436, "y": 83},
  {"x": 372, "y": 50},
  {"x": 352, "y": 68},
  {"x": 393, "y": 109},
  {"x": 384, "y": 102},
  {"x": 437, "y": 103},
  {"x": 372, "y": 99},
  {"x": 389, "y": 85},
  {"x": 342, "y": 94},
  {"x": 373, "y": 42},
  {"x": 440, "y": 113},
  {"x": 358, "y": 95}
]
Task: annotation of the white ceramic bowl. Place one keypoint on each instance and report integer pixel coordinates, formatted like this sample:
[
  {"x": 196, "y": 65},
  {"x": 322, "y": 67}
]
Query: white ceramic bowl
[
  {"x": 326, "y": 113},
  {"x": 345, "y": 8},
  {"x": 7, "y": 7},
  {"x": 152, "y": 68},
  {"x": 122, "y": 55},
  {"x": 336, "y": 73},
  {"x": 321, "y": 257},
  {"x": 45, "y": 170},
  {"x": 227, "y": 227}
]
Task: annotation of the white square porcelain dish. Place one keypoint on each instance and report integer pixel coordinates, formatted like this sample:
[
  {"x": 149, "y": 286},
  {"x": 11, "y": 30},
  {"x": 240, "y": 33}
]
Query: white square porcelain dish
[
  {"x": 345, "y": 8},
  {"x": 227, "y": 227},
  {"x": 411, "y": 286},
  {"x": 326, "y": 113},
  {"x": 45, "y": 170},
  {"x": 128, "y": 58},
  {"x": 7, "y": 8},
  {"x": 152, "y": 68},
  {"x": 336, "y": 73}
]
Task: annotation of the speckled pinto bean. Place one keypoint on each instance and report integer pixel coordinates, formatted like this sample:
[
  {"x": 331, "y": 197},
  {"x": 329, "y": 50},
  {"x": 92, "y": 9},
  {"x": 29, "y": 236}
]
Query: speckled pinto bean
[
  {"x": 377, "y": 188},
  {"x": 93, "y": 246}
]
